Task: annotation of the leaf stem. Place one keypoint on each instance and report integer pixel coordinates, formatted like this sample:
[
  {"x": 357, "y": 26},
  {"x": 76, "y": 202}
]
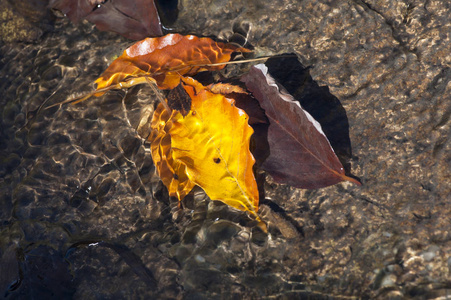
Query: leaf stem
[
  {"x": 135, "y": 80},
  {"x": 157, "y": 93}
]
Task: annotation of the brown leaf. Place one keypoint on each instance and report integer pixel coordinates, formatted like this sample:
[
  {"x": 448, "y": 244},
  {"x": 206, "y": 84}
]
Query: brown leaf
[
  {"x": 75, "y": 10},
  {"x": 300, "y": 154},
  {"x": 134, "y": 19},
  {"x": 317, "y": 100}
]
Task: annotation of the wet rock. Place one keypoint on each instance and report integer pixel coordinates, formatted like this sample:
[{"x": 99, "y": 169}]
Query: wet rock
[
  {"x": 42, "y": 267},
  {"x": 23, "y": 21},
  {"x": 9, "y": 277}
]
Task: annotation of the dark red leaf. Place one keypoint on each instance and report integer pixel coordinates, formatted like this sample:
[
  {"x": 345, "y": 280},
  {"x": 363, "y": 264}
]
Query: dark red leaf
[
  {"x": 75, "y": 10},
  {"x": 300, "y": 154},
  {"x": 317, "y": 101},
  {"x": 134, "y": 19}
]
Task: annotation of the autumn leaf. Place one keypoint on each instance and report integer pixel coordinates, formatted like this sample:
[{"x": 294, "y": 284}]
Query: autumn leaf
[
  {"x": 210, "y": 144},
  {"x": 243, "y": 99},
  {"x": 162, "y": 62},
  {"x": 300, "y": 154},
  {"x": 165, "y": 59},
  {"x": 317, "y": 100},
  {"x": 257, "y": 118},
  {"x": 172, "y": 172},
  {"x": 134, "y": 19},
  {"x": 75, "y": 10}
]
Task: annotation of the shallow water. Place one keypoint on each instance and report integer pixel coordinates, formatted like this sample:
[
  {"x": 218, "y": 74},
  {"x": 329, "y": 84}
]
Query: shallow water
[{"x": 84, "y": 215}]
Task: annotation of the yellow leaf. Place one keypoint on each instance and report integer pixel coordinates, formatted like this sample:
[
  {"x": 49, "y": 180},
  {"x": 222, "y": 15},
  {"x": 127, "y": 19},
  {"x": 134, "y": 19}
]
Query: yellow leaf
[
  {"x": 211, "y": 145},
  {"x": 172, "y": 173}
]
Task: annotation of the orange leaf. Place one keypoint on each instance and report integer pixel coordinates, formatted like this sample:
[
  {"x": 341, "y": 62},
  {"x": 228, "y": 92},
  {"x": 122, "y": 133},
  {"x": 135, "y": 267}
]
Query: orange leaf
[{"x": 166, "y": 58}]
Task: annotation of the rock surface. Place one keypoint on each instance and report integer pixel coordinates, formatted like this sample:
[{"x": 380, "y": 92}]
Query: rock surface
[
  {"x": 24, "y": 21},
  {"x": 84, "y": 216}
]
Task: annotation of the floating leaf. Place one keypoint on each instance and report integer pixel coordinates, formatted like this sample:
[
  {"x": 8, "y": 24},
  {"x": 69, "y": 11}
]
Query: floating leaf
[
  {"x": 165, "y": 59},
  {"x": 211, "y": 143},
  {"x": 317, "y": 100},
  {"x": 300, "y": 154},
  {"x": 134, "y": 19},
  {"x": 75, "y": 10}
]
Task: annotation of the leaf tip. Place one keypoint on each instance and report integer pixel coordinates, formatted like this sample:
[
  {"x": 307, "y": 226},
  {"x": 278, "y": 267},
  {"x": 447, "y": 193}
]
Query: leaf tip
[
  {"x": 262, "y": 226},
  {"x": 351, "y": 179}
]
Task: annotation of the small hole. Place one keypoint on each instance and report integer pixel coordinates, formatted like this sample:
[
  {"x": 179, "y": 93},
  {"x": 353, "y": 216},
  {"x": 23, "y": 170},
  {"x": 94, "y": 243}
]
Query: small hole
[{"x": 217, "y": 160}]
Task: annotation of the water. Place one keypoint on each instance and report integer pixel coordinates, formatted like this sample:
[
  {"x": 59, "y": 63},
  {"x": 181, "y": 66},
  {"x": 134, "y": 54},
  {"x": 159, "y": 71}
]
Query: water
[{"x": 83, "y": 214}]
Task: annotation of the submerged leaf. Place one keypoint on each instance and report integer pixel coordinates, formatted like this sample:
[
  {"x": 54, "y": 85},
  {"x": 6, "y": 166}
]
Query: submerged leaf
[
  {"x": 134, "y": 19},
  {"x": 165, "y": 59},
  {"x": 75, "y": 10},
  {"x": 317, "y": 100},
  {"x": 212, "y": 144},
  {"x": 300, "y": 154}
]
